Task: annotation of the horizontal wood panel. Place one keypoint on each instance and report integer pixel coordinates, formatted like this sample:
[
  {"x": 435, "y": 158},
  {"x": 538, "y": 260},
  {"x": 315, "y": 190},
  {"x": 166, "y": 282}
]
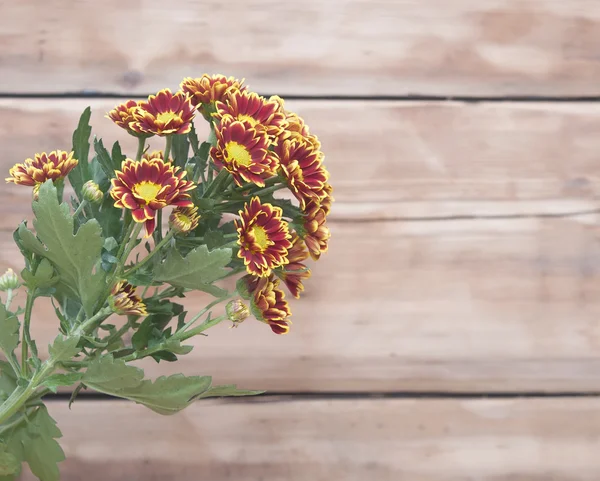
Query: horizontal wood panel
[
  {"x": 315, "y": 47},
  {"x": 349, "y": 440},
  {"x": 445, "y": 158},
  {"x": 457, "y": 305}
]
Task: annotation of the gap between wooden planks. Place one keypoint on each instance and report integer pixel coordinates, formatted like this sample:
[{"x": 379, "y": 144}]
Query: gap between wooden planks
[
  {"x": 335, "y": 47},
  {"x": 350, "y": 440}
]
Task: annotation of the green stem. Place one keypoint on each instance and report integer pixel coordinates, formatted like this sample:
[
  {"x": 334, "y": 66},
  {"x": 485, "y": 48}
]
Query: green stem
[
  {"x": 219, "y": 179},
  {"x": 156, "y": 249},
  {"x": 9, "y": 298},
  {"x": 158, "y": 231},
  {"x": 168, "y": 142},
  {"x": 26, "y": 342},
  {"x": 268, "y": 190},
  {"x": 140, "y": 150},
  {"x": 201, "y": 328},
  {"x": 80, "y": 208},
  {"x": 126, "y": 248},
  {"x": 14, "y": 423},
  {"x": 268, "y": 183},
  {"x": 191, "y": 322}
]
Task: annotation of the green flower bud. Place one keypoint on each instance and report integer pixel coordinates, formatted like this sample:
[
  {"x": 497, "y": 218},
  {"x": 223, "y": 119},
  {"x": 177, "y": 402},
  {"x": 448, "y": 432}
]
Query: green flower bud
[
  {"x": 92, "y": 193},
  {"x": 9, "y": 280},
  {"x": 237, "y": 311}
]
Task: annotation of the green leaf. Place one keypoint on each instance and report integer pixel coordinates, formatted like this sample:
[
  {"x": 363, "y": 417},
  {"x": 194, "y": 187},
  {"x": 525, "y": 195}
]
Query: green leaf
[
  {"x": 42, "y": 452},
  {"x": 198, "y": 270},
  {"x": 103, "y": 158},
  {"x": 180, "y": 149},
  {"x": 81, "y": 147},
  {"x": 109, "y": 375},
  {"x": 64, "y": 348},
  {"x": 9, "y": 330},
  {"x": 43, "y": 278},
  {"x": 73, "y": 256},
  {"x": 57, "y": 380},
  {"x": 166, "y": 395},
  {"x": 117, "y": 156},
  {"x": 228, "y": 390},
  {"x": 9, "y": 464},
  {"x": 8, "y": 379}
]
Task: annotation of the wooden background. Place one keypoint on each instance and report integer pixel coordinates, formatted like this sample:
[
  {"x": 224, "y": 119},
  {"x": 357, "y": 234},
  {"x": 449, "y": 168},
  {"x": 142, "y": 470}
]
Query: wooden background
[{"x": 452, "y": 332}]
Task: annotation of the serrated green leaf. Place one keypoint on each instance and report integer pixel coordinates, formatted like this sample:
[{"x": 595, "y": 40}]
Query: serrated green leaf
[
  {"x": 43, "y": 278},
  {"x": 109, "y": 375},
  {"x": 9, "y": 464},
  {"x": 81, "y": 147},
  {"x": 103, "y": 158},
  {"x": 64, "y": 348},
  {"x": 198, "y": 270},
  {"x": 180, "y": 149},
  {"x": 55, "y": 381},
  {"x": 228, "y": 390},
  {"x": 74, "y": 256},
  {"x": 166, "y": 395},
  {"x": 9, "y": 330},
  {"x": 42, "y": 452},
  {"x": 117, "y": 156},
  {"x": 8, "y": 378}
]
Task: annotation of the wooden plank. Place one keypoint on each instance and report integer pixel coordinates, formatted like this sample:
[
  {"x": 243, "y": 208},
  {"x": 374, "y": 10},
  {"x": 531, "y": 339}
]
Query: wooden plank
[
  {"x": 469, "y": 159},
  {"x": 457, "y": 305},
  {"x": 350, "y": 440},
  {"x": 334, "y": 47}
]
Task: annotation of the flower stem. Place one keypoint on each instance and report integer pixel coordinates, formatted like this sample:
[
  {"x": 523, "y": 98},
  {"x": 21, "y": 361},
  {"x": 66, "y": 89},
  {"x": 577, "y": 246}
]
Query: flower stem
[
  {"x": 201, "y": 328},
  {"x": 26, "y": 342},
  {"x": 168, "y": 142},
  {"x": 80, "y": 208},
  {"x": 140, "y": 150},
  {"x": 219, "y": 179},
  {"x": 157, "y": 248}
]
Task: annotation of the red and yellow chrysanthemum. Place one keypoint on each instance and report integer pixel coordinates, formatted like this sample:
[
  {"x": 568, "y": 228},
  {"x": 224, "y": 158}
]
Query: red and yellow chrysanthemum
[
  {"x": 317, "y": 233},
  {"x": 34, "y": 172},
  {"x": 263, "y": 236},
  {"x": 124, "y": 301},
  {"x": 164, "y": 114},
  {"x": 302, "y": 167},
  {"x": 205, "y": 91},
  {"x": 295, "y": 272},
  {"x": 184, "y": 219},
  {"x": 155, "y": 155},
  {"x": 146, "y": 186},
  {"x": 122, "y": 115},
  {"x": 269, "y": 304},
  {"x": 244, "y": 152},
  {"x": 256, "y": 111}
]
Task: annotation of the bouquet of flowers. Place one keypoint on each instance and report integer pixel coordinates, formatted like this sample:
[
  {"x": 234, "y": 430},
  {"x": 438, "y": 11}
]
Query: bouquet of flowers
[{"x": 137, "y": 234}]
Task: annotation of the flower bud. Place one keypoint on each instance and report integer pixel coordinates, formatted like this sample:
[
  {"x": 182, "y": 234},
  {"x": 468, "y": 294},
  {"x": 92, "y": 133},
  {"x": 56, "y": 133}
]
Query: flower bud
[
  {"x": 237, "y": 311},
  {"x": 184, "y": 219},
  {"x": 91, "y": 192},
  {"x": 9, "y": 280},
  {"x": 124, "y": 301}
]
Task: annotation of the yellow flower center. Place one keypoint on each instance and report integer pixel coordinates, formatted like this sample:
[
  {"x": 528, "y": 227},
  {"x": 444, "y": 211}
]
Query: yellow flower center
[
  {"x": 261, "y": 237},
  {"x": 251, "y": 120},
  {"x": 166, "y": 117},
  {"x": 238, "y": 154},
  {"x": 147, "y": 190},
  {"x": 183, "y": 222}
]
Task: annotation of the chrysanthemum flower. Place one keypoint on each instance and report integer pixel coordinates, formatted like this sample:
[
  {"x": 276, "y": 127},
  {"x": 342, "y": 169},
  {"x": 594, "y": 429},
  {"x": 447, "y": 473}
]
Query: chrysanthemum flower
[
  {"x": 317, "y": 233},
  {"x": 122, "y": 115},
  {"x": 146, "y": 186},
  {"x": 295, "y": 271},
  {"x": 264, "y": 237},
  {"x": 303, "y": 169},
  {"x": 253, "y": 109},
  {"x": 123, "y": 300},
  {"x": 269, "y": 304},
  {"x": 155, "y": 155},
  {"x": 295, "y": 127},
  {"x": 164, "y": 114},
  {"x": 244, "y": 152},
  {"x": 184, "y": 219},
  {"x": 205, "y": 91},
  {"x": 34, "y": 172}
]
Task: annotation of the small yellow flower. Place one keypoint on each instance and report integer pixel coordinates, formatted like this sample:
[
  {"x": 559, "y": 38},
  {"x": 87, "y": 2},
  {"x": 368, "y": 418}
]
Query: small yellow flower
[
  {"x": 237, "y": 311},
  {"x": 184, "y": 219}
]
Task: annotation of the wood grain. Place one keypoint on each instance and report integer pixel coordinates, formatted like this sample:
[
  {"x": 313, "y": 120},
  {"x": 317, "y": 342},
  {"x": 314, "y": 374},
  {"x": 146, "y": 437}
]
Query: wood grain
[
  {"x": 456, "y": 305},
  {"x": 346, "y": 440},
  {"x": 334, "y": 47},
  {"x": 388, "y": 160}
]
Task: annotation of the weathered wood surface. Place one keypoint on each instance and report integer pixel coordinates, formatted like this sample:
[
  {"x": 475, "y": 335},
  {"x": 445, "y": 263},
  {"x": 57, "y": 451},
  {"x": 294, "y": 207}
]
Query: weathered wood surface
[
  {"x": 482, "y": 305},
  {"x": 315, "y": 47},
  {"x": 349, "y": 440},
  {"x": 387, "y": 159}
]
